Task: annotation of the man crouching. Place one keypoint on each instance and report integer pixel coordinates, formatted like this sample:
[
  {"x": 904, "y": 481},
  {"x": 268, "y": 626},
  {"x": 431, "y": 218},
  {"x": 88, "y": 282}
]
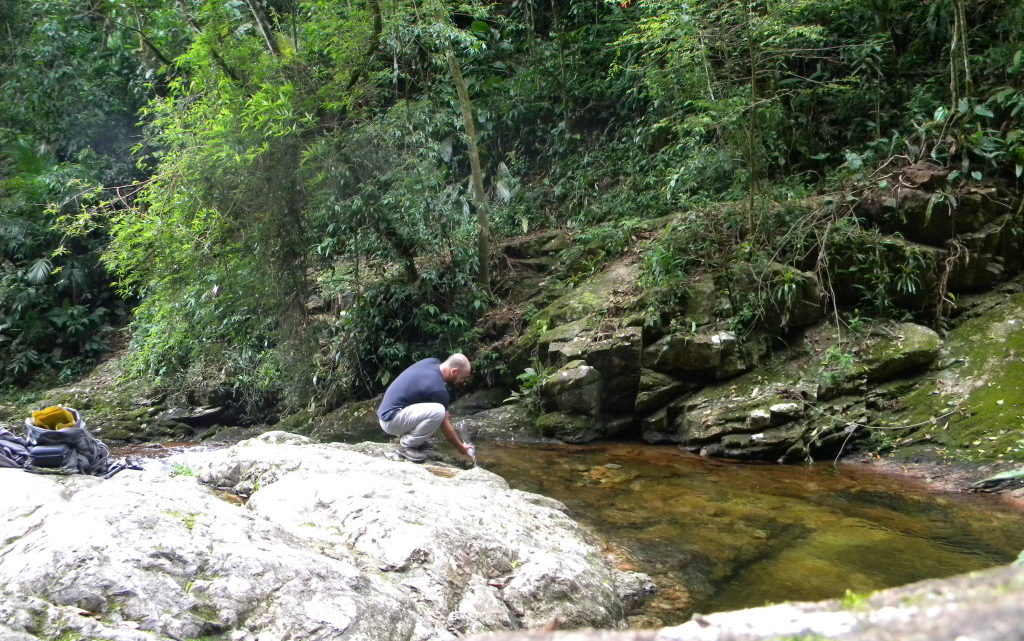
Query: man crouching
[{"x": 416, "y": 404}]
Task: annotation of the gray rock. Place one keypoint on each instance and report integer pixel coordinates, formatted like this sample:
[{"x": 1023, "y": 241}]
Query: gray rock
[
  {"x": 617, "y": 357},
  {"x": 570, "y": 428},
  {"x": 563, "y": 337},
  {"x": 759, "y": 419},
  {"x": 655, "y": 390},
  {"x": 616, "y": 354},
  {"x": 506, "y": 423},
  {"x": 715, "y": 353},
  {"x": 785, "y": 412},
  {"x": 655, "y": 428},
  {"x": 478, "y": 401},
  {"x": 331, "y": 544},
  {"x": 573, "y": 389}
]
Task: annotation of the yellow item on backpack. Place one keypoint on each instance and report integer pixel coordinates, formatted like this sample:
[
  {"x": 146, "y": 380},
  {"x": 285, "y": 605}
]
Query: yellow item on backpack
[{"x": 53, "y": 418}]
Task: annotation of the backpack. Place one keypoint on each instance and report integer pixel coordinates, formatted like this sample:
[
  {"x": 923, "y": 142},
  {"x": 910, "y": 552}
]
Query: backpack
[{"x": 70, "y": 449}]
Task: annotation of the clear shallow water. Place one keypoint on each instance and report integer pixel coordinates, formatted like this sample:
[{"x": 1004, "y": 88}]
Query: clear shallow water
[{"x": 720, "y": 536}]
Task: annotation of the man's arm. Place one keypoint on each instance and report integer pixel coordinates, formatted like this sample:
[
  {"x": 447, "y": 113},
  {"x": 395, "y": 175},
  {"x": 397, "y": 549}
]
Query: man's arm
[{"x": 453, "y": 437}]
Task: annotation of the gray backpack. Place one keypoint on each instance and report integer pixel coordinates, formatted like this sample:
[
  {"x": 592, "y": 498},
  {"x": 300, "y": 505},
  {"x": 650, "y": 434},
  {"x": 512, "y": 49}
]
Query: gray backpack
[{"x": 72, "y": 449}]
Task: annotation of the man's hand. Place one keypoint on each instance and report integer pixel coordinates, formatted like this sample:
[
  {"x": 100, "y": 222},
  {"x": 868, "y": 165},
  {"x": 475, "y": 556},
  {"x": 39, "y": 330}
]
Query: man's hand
[{"x": 453, "y": 437}]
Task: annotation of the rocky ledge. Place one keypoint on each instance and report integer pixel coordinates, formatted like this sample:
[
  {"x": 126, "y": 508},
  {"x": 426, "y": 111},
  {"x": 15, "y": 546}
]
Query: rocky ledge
[
  {"x": 983, "y": 606},
  {"x": 281, "y": 538}
]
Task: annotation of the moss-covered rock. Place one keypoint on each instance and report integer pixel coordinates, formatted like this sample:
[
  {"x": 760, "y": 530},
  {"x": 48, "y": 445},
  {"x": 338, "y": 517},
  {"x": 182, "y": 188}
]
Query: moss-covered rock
[
  {"x": 973, "y": 406},
  {"x": 506, "y": 423},
  {"x": 573, "y": 389},
  {"x": 903, "y": 349},
  {"x": 600, "y": 296},
  {"x": 717, "y": 354},
  {"x": 351, "y": 423},
  {"x": 655, "y": 390},
  {"x": 570, "y": 428}
]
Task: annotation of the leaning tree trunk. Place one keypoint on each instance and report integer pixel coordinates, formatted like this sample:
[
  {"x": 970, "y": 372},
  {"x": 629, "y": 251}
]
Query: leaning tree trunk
[{"x": 477, "y": 174}]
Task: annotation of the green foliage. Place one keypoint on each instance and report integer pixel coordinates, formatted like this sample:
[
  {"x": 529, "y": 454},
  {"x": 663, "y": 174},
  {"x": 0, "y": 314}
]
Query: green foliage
[
  {"x": 56, "y": 309},
  {"x": 391, "y": 323},
  {"x": 593, "y": 247},
  {"x": 182, "y": 469},
  {"x": 299, "y": 225},
  {"x": 528, "y": 394},
  {"x": 855, "y": 600},
  {"x": 68, "y": 99}
]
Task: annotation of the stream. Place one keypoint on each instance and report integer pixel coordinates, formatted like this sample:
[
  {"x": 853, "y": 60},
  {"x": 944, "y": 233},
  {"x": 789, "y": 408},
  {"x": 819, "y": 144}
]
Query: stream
[{"x": 718, "y": 535}]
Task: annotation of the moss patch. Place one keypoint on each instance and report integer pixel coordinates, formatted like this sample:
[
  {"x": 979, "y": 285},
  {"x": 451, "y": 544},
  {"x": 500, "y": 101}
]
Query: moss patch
[{"x": 974, "y": 406}]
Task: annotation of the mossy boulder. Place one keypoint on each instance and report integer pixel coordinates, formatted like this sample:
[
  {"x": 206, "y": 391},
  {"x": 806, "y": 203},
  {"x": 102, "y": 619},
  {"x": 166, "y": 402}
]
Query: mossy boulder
[
  {"x": 656, "y": 389},
  {"x": 570, "y": 428},
  {"x": 351, "y": 423},
  {"x": 602, "y": 295},
  {"x": 904, "y": 349},
  {"x": 574, "y": 389},
  {"x": 505, "y": 423},
  {"x": 794, "y": 298},
  {"x": 719, "y": 354}
]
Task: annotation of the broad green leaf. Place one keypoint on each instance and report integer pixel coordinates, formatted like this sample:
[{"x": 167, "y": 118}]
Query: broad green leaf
[{"x": 982, "y": 110}]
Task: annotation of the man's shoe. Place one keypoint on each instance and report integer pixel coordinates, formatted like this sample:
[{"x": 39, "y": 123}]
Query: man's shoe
[{"x": 412, "y": 454}]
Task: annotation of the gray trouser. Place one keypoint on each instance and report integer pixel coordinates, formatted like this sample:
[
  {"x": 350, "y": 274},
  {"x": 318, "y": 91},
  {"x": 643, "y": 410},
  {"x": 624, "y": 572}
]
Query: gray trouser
[{"x": 415, "y": 423}]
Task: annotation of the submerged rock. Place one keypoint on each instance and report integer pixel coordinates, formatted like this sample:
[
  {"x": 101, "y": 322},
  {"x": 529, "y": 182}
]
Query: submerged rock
[{"x": 332, "y": 543}]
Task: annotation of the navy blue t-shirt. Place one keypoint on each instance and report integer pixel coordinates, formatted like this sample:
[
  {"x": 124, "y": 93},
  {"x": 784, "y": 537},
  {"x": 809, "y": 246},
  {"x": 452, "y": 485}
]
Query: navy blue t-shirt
[{"x": 421, "y": 382}]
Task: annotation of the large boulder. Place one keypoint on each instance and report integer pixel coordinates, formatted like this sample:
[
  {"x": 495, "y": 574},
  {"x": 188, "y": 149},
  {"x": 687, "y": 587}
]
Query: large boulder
[
  {"x": 505, "y": 423},
  {"x": 613, "y": 287},
  {"x": 716, "y": 353},
  {"x": 573, "y": 389},
  {"x": 615, "y": 354},
  {"x": 655, "y": 390},
  {"x": 807, "y": 401},
  {"x": 570, "y": 428},
  {"x": 332, "y": 543}
]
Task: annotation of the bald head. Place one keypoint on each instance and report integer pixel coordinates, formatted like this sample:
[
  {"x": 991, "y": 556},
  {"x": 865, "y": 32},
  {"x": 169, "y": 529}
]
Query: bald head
[{"x": 456, "y": 369}]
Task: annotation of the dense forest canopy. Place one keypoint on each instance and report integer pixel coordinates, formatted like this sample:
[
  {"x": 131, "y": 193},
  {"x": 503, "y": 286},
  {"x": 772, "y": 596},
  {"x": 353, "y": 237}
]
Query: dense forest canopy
[{"x": 291, "y": 199}]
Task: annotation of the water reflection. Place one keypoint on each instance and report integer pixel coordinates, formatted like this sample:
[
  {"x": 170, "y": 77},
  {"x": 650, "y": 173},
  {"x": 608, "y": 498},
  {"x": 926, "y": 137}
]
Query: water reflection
[{"x": 718, "y": 535}]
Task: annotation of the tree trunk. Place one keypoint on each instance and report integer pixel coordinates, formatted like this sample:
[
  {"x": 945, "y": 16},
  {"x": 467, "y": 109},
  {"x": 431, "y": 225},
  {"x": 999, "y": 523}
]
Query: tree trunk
[
  {"x": 477, "y": 174},
  {"x": 263, "y": 25}
]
